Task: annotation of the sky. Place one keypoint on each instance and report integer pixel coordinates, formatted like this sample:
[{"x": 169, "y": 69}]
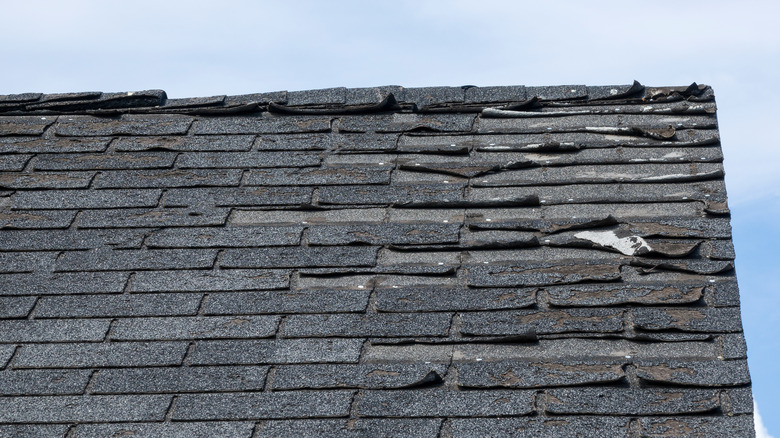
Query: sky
[{"x": 202, "y": 48}]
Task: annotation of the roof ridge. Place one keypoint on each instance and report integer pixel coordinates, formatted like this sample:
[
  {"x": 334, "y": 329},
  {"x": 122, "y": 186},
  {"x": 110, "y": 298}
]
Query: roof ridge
[{"x": 343, "y": 100}]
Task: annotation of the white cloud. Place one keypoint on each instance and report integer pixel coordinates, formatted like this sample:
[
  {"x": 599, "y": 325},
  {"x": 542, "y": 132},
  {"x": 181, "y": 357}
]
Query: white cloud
[{"x": 761, "y": 431}]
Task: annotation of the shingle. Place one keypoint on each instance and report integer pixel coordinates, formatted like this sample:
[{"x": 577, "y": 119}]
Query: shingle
[
  {"x": 292, "y": 142},
  {"x": 185, "y": 143},
  {"x": 15, "y": 307},
  {"x": 266, "y": 124},
  {"x": 395, "y": 194},
  {"x": 511, "y": 322},
  {"x": 55, "y": 330},
  {"x": 698, "y": 373},
  {"x": 259, "y": 98},
  {"x": 317, "y": 176},
  {"x": 719, "y": 250},
  {"x": 292, "y": 301},
  {"x": 444, "y": 402},
  {"x": 63, "y": 283},
  {"x": 167, "y": 178},
  {"x": 299, "y": 257},
  {"x": 46, "y": 180},
  {"x": 33, "y": 430},
  {"x": 560, "y": 92},
  {"x": 352, "y": 428},
  {"x": 224, "y": 237},
  {"x": 245, "y": 406},
  {"x": 6, "y": 351},
  {"x": 13, "y": 163},
  {"x": 385, "y": 376},
  {"x": 65, "y": 409},
  {"x": 26, "y": 261},
  {"x": 696, "y": 426},
  {"x": 609, "y": 295},
  {"x": 383, "y": 234},
  {"x": 536, "y": 427},
  {"x": 178, "y": 429},
  {"x": 425, "y": 96},
  {"x": 94, "y": 355},
  {"x": 25, "y": 125},
  {"x": 631, "y": 401},
  {"x": 47, "y": 240},
  {"x": 711, "y": 320},
  {"x": 114, "y": 260},
  {"x": 43, "y": 382},
  {"x": 99, "y": 161},
  {"x": 20, "y": 97},
  {"x": 364, "y": 142},
  {"x": 128, "y": 124},
  {"x": 525, "y": 274},
  {"x": 515, "y": 93},
  {"x": 316, "y": 97},
  {"x": 740, "y": 400},
  {"x": 379, "y": 325},
  {"x": 153, "y": 217},
  {"x": 281, "y": 351},
  {"x": 54, "y": 145},
  {"x": 239, "y": 196},
  {"x": 194, "y": 327},
  {"x": 91, "y": 306},
  {"x": 514, "y": 374},
  {"x": 209, "y": 281},
  {"x": 85, "y": 199},
  {"x": 400, "y": 122},
  {"x": 179, "y": 380},
  {"x": 217, "y": 160},
  {"x": 734, "y": 346},
  {"x": 597, "y": 123},
  {"x": 283, "y": 217},
  {"x": 436, "y": 299}
]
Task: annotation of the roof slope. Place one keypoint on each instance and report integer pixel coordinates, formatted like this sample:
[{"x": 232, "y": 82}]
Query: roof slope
[{"x": 435, "y": 262}]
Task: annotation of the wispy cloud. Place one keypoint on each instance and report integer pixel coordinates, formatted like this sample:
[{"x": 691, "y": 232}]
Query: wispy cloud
[{"x": 761, "y": 431}]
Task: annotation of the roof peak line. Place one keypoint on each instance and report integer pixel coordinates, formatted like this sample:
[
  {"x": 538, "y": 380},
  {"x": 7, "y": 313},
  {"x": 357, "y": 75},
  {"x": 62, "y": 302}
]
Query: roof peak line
[{"x": 341, "y": 100}]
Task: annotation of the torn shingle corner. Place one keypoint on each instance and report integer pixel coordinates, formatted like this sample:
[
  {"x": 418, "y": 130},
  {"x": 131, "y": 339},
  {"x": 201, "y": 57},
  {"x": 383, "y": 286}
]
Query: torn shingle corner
[{"x": 380, "y": 261}]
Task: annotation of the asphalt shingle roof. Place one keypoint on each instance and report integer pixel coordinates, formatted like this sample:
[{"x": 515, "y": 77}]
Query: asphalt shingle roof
[{"x": 422, "y": 262}]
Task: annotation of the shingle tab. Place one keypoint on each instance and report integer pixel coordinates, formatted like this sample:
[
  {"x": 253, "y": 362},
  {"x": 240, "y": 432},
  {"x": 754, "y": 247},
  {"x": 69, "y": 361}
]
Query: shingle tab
[
  {"x": 88, "y": 126},
  {"x": 279, "y": 351},
  {"x": 209, "y": 281},
  {"x": 179, "y": 429},
  {"x": 179, "y": 379},
  {"x": 83, "y": 199},
  {"x": 513, "y": 374},
  {"x": 194, "y": 327},
  {"x": 354, "y": 428},
  {"x": 292, "y": 301},
  {"x": 436, "y": 403},
  {"x": 580, "y": 427},
  {"x": 75, "y": 306},
  {"x": 128, "y": 260},
  {"x": 93, "y": 355},
  {"x": 43, "y": 382},
  {"x": 54, "y": 330},
  {"x": 64, "y": 409},
  {"x": 340, "y": 325},
  {"x": 631, "y": 401},
  {"x": 299, "y": 257},
  {"x": 249, "y": 406}
]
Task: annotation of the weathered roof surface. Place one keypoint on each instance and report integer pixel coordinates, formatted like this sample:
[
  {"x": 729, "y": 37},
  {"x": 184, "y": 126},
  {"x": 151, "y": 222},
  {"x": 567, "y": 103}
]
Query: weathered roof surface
[{"x": 423, "y": 262}]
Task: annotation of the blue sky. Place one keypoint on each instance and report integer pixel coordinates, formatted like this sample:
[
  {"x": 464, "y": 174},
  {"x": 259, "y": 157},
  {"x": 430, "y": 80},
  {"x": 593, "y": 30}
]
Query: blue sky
[{"x": 199, "y": 48}]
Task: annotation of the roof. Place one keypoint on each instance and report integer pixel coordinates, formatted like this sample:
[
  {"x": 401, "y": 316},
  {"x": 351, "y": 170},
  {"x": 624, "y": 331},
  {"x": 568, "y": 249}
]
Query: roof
[{"x": 389, "y": 261}]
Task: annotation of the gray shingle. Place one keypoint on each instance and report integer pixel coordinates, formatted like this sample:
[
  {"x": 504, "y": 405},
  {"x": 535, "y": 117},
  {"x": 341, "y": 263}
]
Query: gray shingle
[
  {"x": 224, "y": 237},
  {"x": 709, "y": 426},
  {"x": 299, "y": 257},
  {"x": 167, "y": 178},
  {"x": 698, "y": 373},
  {"x": 114, "y": 260},
  {"x": 734, "y": 346},
  {"x": 61, "y": 283},
  {"x": 444, "y": 402},
  {"x": 541, "y": 273},
  {"x": 366, "y": 142},
  {"x": 178, "y": 429},
  {"x": 535, "y": 427},
  {"x": 293, "y": 301},
  {"x": 581, "y": 122},
  {"x": 216, "y": 160},
  {"x": 43, "y": 382},
  {"x": 282, "y": 351},
  {"x": 260, "y": 405},
  {"x": 266, "y": 124},
  {"x": 289, "y": 217},
  {"x": 15, "y": 307},
  {"x": 631, "y": 401},
  {"x": 185, "y": 143},
  {"x": 209, "y": 281},
  {"x": 114, "y": 354},
  {"x": 394, "y": 194},
  {"x": 400, "y": 122},
  {"x": 25, "y": 125},
  {"x": 32, "y": 430},
  {"x": 292, "y": 142},
  {"x": 6, "y": 351},
  {"x": 316, "y": 176},
  {"x": 712, "y": 320},
  {"x": 129, "y": 124},
  {"x": 379, "y": 325},
  {"x": 384, "y": 376},
  {"x": 512, "y": 322},
  {"x": 515, "y": 374},
  {"x": 198, "y": 216},
  {"x": 73, "y": 330},
  {"x": 558, "y": 92},
  {"x": 496, "y": 94},
  {"x": 46, "y": 180},
  {"x": 194, "y": 327},
  {"x": 13, "y": 163},
  {"x": 239, "y": 196},
  {"x": 609, "y": 295},
  {"x": 383, "y": 234},
  {"x": 352, "y": 428},
  {"x": 99, "y": 161},
  {"x": 427, "y": 299},
  {"x": 179, "y": 380},
  {"x": 117, "y": 305},
  {"x": 315, "y": 97},
  {"x": 65, "y": 409},
  {"x": 36, "y": 219},
  {"x": 82, "y": 199}
]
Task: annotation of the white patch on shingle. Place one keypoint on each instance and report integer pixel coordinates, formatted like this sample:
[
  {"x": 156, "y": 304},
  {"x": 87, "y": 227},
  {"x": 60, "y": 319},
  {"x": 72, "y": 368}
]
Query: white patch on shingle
[{"x": 629, "y": 245}]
